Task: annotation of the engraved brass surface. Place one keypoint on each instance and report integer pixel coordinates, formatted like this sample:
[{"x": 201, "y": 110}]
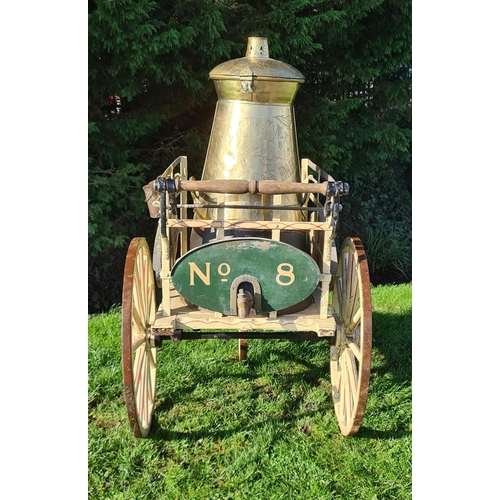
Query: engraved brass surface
[{"x": 253, "y": 134}]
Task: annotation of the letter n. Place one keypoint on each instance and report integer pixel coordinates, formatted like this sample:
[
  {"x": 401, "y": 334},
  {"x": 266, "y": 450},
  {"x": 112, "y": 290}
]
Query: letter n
[{"x": 193, "y": 268}]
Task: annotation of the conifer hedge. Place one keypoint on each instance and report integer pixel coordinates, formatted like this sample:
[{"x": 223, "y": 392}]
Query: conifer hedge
[{"x": 353, "y": 112}]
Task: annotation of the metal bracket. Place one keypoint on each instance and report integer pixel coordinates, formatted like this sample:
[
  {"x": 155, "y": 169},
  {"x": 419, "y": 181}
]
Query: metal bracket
[
  {"x": 176, "y": 336},
  {"x": 334, "y": 191},
  {"x": 166, "y": 187},
  {"x": 247, "y": 76}
]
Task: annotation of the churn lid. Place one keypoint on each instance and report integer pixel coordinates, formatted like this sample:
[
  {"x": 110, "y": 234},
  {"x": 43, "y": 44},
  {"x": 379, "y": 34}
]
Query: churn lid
[{"x": 258, "y": 63}]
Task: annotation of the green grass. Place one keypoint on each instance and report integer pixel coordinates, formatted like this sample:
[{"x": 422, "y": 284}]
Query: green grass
[{"x": 261, "y": 429}]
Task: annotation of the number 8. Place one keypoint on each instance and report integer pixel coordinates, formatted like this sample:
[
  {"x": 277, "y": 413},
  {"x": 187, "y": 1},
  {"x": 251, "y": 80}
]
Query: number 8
[{"x": 288, "y": 273}]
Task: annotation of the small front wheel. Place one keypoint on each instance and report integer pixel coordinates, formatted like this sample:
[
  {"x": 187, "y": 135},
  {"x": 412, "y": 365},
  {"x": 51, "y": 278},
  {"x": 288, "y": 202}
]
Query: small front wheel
[{"x": 138, "y": 351}]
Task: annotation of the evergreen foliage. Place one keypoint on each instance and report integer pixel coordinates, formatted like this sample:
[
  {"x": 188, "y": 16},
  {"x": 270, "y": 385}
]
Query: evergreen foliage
[{"x": 353, "y": 112}]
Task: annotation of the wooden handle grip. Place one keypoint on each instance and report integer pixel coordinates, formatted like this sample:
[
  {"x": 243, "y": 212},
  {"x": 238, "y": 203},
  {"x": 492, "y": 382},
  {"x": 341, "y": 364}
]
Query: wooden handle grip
[{"x": 253, "y": 187}]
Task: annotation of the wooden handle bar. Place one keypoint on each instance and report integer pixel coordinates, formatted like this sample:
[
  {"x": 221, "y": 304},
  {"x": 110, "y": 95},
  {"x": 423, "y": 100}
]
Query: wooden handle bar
[{"x": 252, "y": 187}]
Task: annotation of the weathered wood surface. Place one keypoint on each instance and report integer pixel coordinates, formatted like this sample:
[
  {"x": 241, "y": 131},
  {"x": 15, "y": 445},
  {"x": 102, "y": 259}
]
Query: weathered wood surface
[{"x": 229, "y": 186}]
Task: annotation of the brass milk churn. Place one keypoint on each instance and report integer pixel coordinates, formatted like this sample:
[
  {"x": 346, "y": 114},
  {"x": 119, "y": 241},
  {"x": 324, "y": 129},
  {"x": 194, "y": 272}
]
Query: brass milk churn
[{"x": 253, "y": 134}]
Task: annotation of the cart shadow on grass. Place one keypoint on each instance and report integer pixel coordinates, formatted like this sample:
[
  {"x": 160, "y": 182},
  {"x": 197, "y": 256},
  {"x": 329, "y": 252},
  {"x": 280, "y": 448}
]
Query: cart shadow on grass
[{"x": 391, "y": 369}]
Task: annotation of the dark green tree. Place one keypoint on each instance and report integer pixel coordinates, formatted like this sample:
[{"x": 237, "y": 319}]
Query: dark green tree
[
  {"x": 353, "y": 111},
  {"x": 156, "y": 58}
]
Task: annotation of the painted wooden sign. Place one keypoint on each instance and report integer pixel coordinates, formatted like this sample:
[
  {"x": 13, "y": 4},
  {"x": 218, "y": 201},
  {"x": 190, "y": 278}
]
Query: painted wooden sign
[{"x": 208, "y": 275}]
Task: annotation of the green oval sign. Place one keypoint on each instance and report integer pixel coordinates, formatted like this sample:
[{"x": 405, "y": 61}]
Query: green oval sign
[{"x": 210, "y": 274}]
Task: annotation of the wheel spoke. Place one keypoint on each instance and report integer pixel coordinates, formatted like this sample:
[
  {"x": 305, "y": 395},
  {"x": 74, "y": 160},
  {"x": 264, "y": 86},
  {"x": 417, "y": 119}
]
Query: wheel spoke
[
  {"x": 345, "y": 273},
  {"x": 138, "y": 367},
  {"x": 147, "y": 371},
  {"x": 141, "y": 298},
  {"x": 149, "y": 303},
  {"x": 138, "y": 320},
  {"x": 151, "y": 306},
  {"x": 144, "y": 284},
  {"x": 348, "y": 389},
  {"x": 355, "y": 321},
  {"x": 138, "y": 305},
  {"x": 354, "y": 348},
  {"x": 344, "y": 393},
  {"x": 350, "y": 272},
  {"x": 352, "y": 372},
  {"x": 347, "y": 285},
  {"x": 152, "y": 358},
  {"x": 138, "y": 343},
  {"x": 342, "y": 415},
  {"x": 353, "y": 301},
  {"x": 146, "y": 391},
  {"x": 337, "y": 301},
  {"x": 142, "y": 279}
]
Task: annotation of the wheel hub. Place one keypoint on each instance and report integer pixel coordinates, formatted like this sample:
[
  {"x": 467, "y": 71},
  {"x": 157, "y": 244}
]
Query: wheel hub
[{"x": 340, "y": 341}]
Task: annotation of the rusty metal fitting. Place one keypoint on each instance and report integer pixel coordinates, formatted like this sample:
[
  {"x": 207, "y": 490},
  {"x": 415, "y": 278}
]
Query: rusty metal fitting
[{"x": 243, "y": 302}]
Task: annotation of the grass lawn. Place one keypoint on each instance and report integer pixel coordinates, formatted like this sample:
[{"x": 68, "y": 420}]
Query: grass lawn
[{"x": 263, "y": 429}]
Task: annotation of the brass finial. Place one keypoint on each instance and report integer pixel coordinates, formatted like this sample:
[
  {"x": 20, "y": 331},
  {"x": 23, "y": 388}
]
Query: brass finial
[{"x": 257, "y": 47}]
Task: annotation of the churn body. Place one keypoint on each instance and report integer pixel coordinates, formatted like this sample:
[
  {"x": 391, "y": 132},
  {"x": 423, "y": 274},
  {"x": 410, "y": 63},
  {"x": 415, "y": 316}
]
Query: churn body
[{"x": 253, "y": 134}]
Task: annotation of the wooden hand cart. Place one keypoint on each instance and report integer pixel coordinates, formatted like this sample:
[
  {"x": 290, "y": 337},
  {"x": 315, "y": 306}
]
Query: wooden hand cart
[{"x": 239, "y": 285}]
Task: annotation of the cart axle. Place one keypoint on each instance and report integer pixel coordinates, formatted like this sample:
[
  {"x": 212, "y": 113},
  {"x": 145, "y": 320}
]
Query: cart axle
[{"x": 161, "y": 334}]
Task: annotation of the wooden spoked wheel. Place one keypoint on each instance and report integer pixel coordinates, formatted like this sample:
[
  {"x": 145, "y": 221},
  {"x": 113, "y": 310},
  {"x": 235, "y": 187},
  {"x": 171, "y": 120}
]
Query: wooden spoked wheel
[
  {"x": 138, "y": 351},
  {"x": 350, "y": 352}
]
